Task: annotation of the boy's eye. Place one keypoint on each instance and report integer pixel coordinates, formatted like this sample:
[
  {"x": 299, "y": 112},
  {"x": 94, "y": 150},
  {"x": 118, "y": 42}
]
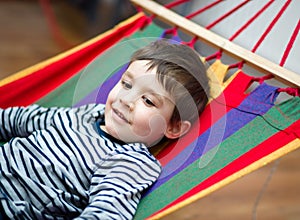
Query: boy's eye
[
  {"x": 147, "y": 101},
  {"x": 126, "y": 84}
]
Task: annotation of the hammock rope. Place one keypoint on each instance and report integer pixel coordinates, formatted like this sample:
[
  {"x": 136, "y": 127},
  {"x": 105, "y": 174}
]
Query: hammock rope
[
  {"x": 208, "y": 27},
  {"x": 175, "y": 3},
  {"x": 251, "y": 20},
  {"x": 238, "y": 65},
  {"x": 205, "y": 8},
  {"x": 290, "y": 44},
  {"x": 270, "y": 27},
  {"x": 218, "y": 54},
  {"x": 173, "y": 31},
  {"x": 168, "y": 6}
]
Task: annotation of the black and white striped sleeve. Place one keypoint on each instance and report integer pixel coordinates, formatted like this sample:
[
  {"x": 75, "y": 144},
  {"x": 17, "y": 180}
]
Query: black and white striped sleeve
[
  {"x": 117, "y": 185},
  {"x": 22, "y": 121}
]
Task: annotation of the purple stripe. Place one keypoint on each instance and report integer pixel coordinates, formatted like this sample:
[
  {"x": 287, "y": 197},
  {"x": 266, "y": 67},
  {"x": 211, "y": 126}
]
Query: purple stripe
[{"x": 99, "y": 95}]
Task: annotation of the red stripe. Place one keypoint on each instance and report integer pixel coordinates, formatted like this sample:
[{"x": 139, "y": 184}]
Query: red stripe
[
  {"x": 270, "y": 145},
  {"x": 231, "y": 97},
  {"x": 30, "y": 88}
]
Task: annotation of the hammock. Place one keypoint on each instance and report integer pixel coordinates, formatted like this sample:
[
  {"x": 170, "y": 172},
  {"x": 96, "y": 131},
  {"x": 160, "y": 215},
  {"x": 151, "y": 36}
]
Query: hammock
[{"x": 240, "y": 130}]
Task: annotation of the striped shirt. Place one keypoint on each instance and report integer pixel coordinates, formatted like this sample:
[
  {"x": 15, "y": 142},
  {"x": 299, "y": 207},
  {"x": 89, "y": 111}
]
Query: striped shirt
[{"x": 59, "y": 164}]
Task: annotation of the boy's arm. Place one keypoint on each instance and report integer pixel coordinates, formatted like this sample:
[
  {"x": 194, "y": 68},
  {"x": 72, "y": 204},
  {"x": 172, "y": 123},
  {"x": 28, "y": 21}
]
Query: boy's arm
[
  {"x": 21, "y": 121},
  {"x": 117, "y": 186}
]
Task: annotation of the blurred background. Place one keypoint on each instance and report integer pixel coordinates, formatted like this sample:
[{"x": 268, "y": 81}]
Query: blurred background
[{"x": 29, "y": 35}]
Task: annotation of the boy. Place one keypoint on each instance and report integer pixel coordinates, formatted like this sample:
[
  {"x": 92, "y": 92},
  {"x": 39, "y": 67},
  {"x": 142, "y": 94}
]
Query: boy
[{"x": 92, "y": 162}]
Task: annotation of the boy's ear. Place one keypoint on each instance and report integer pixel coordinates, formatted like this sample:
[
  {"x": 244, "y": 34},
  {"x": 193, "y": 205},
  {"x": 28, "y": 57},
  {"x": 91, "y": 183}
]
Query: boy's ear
[{"x": 177, "y": 130}]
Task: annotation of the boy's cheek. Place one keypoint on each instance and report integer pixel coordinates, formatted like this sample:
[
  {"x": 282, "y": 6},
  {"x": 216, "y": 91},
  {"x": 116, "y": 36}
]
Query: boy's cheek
[
  {"x": 158, "y": 123},
  {"x": 152, "y": 127},
  {"x": 113, "y": 93}
]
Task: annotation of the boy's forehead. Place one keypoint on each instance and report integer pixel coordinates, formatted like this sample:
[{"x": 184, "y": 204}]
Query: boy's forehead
[
  {"x": 142, "y": 65},
  {"x": 144, "y": 80},
  {"x": 139, "y": 70}
]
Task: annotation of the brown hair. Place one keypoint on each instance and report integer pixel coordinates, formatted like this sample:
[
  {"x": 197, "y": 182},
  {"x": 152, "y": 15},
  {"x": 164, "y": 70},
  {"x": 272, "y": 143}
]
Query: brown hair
[{"x": 182, "y": 74}]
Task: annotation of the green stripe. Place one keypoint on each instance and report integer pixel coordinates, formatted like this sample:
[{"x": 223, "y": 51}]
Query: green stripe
[{"x": 233, "y": 147}]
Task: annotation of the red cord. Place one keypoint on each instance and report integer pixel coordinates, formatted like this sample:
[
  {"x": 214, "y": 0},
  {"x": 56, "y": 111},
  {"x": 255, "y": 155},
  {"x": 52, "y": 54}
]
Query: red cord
[
  {"x": 192, "y": 42},
  {"x": 238, "y": 65},
  {"x": 175, "y": 3},
  {"x": 251, "y": 20},
  {"x": 171, "y": 31},
  {"x": 174, "y": 30},
  {"x": 203, "y": 9},
  {"x": 260, "y": 80},
  {"x": 216, "y": 55},
  {"x": 169, "y": 6},
  {"x": 290, "y": 44},
  {"x": 226, "y": 14},
  {"x": 290, "y": 91},
  {"x": 272, "y": 24}
]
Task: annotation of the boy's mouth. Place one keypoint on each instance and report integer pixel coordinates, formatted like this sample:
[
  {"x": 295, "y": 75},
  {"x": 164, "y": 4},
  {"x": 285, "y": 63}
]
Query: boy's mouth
[{"x": 121, "y": 116}]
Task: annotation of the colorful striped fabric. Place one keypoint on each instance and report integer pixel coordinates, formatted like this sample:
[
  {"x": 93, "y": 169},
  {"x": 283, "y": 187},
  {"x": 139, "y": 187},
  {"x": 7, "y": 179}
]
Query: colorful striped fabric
[
  {"x": 226, "y": 126},
  {"x": 235, "y": 134},
  {"x": 257, "y": 139},
  {"x": 241, "y": 129}
]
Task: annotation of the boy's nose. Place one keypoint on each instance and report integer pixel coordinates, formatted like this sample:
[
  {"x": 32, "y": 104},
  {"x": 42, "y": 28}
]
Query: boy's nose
[{"x": 127, "y": 102}]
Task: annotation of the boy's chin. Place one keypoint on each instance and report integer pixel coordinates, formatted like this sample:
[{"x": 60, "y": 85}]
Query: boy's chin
[{"x": 128, "y": 136}]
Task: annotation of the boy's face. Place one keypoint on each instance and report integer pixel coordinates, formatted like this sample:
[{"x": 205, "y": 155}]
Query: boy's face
[{"x": 138, "y": 108}]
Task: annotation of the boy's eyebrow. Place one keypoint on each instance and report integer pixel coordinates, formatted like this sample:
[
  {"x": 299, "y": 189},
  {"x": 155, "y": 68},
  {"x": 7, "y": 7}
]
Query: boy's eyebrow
[
  {"x": 160, "y": 97},
  {"x": 129, "y": 74}
]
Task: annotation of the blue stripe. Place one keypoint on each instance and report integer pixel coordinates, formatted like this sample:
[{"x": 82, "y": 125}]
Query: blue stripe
[
  {"x": 52, "y": 151},
  {"x": 74, "y": 169},
  {"x": 73, "y": 143}
]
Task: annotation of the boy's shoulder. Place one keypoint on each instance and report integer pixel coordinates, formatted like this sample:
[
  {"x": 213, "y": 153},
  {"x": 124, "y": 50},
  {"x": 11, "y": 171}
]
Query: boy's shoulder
[
  {"x": 94, "y": 108},
  {"x": 139, "y": 153}
]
